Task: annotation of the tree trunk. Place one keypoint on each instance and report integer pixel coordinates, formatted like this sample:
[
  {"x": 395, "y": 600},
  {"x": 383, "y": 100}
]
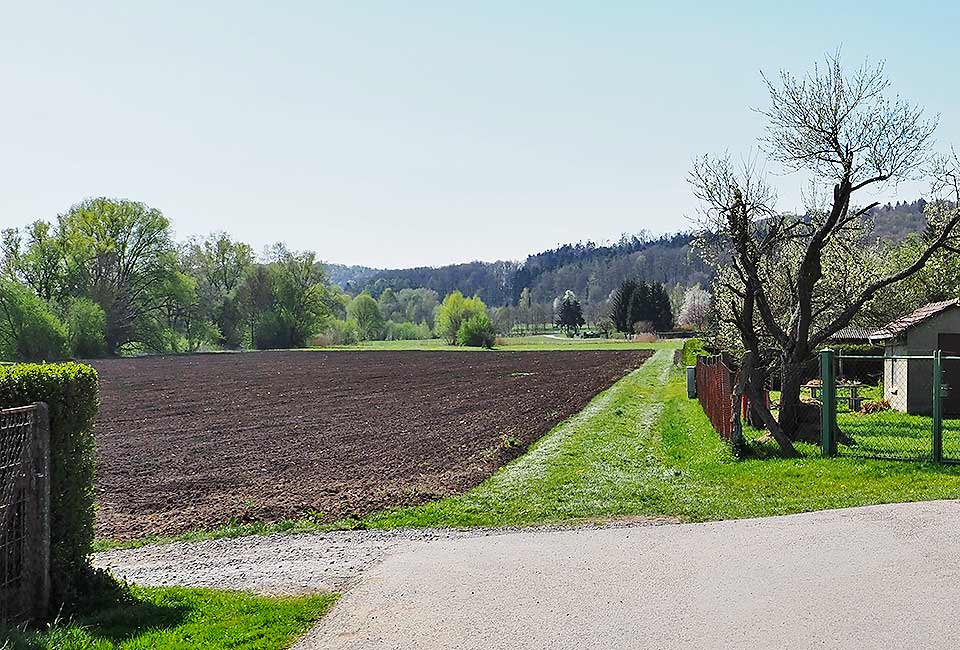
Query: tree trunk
[
  {"x": 800, "y": 421},
  {"x": 752, "y": 386},
  {"x": 791, "y": 378}
]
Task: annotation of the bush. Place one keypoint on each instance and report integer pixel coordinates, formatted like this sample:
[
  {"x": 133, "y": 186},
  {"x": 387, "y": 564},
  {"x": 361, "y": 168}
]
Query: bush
[
  {"x": 71, "y": 391},
  {"x": 28, "y": 329},
  {"x": 477, "y": 331},
  {"x": 86, "y": 328},
  {"x": 454, "y": 310},
  {"x": 693, "y": 348},
  {"x": 407, "y": 331},
  {"x": 276, "y": 330},
  {"x": 338, "y": 332}
]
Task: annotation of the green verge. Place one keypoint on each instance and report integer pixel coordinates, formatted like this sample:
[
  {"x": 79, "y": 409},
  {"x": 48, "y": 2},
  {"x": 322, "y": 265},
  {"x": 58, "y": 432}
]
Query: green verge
[
  {"x": 643, "y": 449},
  {"x": 164, "y": 618},
  {"x": 513, "y": 344}
]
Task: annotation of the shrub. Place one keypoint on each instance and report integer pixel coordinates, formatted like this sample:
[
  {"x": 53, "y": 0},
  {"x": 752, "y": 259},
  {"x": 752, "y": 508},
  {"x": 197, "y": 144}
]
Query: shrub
[
  {"x": 87, "y": 328},
  {"x": 693, "y": 348},
  {"x": 454, "y": 311},
  {"x": 28, "y": 329},
  {"x": 71, "y": 391},
  {"x": 407, "y": 331},
  {"x": 276, "y": 330},
  {"x": 477, "y": 331},
  {"x": 337, "y": 332}
]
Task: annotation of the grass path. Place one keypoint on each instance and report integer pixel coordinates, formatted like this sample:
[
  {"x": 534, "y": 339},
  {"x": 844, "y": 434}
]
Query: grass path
[
  {"x": 643, "y": 449},
  {"x": 602, "y": 462}
]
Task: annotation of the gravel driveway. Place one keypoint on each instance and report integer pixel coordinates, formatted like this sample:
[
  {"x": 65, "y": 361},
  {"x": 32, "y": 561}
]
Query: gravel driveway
[{"x": 878, "y": 577}]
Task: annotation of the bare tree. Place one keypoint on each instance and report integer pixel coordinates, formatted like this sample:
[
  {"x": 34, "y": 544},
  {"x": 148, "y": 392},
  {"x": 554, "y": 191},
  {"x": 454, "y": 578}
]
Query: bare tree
[{"x": 777, "y": 269}]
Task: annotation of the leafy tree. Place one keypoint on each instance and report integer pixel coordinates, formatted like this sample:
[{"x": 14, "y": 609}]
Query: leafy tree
[
  {"x": 365, "y": 312},
  {"x": 454, "y": 310},
  {"x": 119, "y": 252},
  {"x": 299, "y": 295},
  {"x": 86, "y": 327},
  {"x": 477, "y": 331},
  {"x": 418, "y": 305},
  {"x": 219, "y": 265},
  {"x": 40, "y": 262},
  {"x": 389, "y": 305},
  {"x": 570, "y": 314},
  {"x": 28, "y": 329}
]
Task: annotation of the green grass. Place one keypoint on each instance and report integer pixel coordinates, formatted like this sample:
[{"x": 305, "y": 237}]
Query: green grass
[
  {"x": 642, "y": 448},
  {"x": 516, "y": 344},
  {"x": 167, "y": 618}
]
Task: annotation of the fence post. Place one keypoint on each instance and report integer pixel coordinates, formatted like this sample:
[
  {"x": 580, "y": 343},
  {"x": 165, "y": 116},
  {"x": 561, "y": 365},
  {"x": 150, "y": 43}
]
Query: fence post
[
  {"x": 937, "y": 452},
  {"x": 828, "y": 398},
  {"x": 41, "y": 496}
]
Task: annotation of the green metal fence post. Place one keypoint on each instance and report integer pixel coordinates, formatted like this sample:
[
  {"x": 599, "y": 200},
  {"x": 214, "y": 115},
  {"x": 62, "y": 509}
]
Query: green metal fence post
[
  {"x": 828, "y": 398},
  {"x": 937, "y": 455}
]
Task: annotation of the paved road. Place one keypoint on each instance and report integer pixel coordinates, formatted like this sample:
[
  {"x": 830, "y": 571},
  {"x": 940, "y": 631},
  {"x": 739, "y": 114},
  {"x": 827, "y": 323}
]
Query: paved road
[{"x": 880, "y": 577}]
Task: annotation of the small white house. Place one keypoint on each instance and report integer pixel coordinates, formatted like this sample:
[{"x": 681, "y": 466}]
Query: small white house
[{"x": 908, "y": 383}]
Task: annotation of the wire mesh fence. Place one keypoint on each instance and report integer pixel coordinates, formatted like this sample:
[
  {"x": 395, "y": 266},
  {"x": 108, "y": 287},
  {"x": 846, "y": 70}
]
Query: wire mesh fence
[
  {"x": 911, "y": 413},
  {"x": 24, "y": 513}
]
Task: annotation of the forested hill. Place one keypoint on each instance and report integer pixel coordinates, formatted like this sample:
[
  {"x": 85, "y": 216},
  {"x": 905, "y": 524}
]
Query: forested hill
[
  {"x": 894, "y": 222},
  {"x": 592, "y": 271}
]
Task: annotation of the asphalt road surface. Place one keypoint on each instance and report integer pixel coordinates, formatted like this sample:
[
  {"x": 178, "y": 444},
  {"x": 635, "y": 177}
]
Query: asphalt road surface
[{"x": 879, "y": 577}]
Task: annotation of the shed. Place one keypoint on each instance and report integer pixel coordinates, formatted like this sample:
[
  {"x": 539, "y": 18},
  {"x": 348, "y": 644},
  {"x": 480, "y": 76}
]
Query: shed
[{"x": 908, "y": 383}]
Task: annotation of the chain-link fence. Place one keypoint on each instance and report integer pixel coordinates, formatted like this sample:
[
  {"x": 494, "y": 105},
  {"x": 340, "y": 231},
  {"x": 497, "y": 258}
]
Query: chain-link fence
[
  {"x": 911, "y": 413},
  {"x": 24, "y": 513}
]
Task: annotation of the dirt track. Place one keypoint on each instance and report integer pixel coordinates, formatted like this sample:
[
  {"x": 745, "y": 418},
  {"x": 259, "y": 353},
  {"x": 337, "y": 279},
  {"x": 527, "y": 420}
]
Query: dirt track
[{"x": 188, "y": 442}]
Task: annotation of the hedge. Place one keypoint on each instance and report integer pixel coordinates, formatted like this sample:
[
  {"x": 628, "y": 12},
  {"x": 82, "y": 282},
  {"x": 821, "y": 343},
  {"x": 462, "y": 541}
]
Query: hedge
[
  {"x": 72, "y": 393},
  {"x": 693, "y": 348}
]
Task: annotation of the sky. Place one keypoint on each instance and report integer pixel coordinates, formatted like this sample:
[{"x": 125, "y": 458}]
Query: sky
[{"x": 394, "y": 134}]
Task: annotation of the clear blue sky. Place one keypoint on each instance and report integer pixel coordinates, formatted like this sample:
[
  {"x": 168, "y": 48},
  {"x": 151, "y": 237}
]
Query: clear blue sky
[{"x": 399, "y": 134}]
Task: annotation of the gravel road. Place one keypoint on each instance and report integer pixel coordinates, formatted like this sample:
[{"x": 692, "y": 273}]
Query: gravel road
[{"x": 877, "y": 577}]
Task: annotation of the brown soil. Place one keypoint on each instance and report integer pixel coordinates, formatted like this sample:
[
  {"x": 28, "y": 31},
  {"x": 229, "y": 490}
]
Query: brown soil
[{"x": 193, "y": 442}]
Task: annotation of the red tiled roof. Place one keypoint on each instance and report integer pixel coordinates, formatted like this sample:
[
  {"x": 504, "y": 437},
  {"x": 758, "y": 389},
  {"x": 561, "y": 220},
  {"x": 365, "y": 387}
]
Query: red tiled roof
[{"x": 900, "y": 325}]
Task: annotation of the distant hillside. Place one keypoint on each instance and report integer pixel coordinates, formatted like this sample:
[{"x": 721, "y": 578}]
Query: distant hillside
[
  {"x": 894, "y": 222},
  {"x": 342, "y": 275},
  {"x": 590, "y": 270}
]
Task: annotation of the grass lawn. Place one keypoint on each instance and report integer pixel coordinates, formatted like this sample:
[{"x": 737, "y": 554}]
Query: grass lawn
[
  {"x": 164, "y": 618},
  {"x": 517, "y": 344},
  {"x": 643, "y": 448}
]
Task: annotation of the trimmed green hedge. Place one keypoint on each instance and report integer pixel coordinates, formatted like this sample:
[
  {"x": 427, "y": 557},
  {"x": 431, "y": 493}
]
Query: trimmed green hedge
[
  {"x": 693, "y": 348},
  {"x": 72, "y": 393}
]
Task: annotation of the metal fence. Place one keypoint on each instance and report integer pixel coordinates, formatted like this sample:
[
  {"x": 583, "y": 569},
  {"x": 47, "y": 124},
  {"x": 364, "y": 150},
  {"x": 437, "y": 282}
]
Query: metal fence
[
  {"x": 912, "y": 413},
  {"x": 24, "y": 513},
  {"x": 715, "y": 382}
]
